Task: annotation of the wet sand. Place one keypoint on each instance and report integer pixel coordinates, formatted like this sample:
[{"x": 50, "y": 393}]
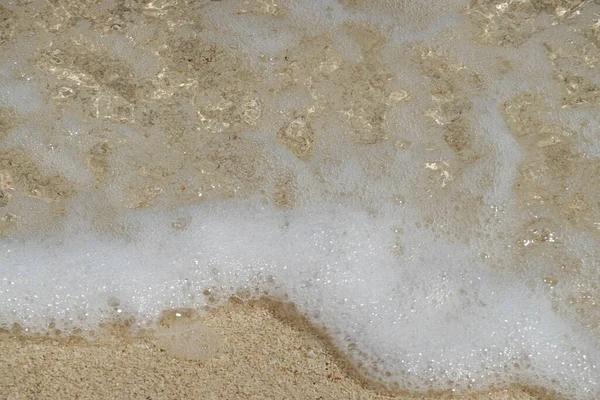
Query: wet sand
[
  {"x": 262, "y": 354},
  {"x": 167, "y": 112}
]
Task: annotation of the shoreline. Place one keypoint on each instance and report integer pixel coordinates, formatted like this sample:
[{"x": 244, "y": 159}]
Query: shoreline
[
  {"x": 266, "y": 350},
  {"x": 419, "y": 177}
]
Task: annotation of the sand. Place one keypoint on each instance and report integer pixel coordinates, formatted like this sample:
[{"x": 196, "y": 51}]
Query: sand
[
  {"x": 188, "y": 99},
  {"x": 262, "y": 354}
]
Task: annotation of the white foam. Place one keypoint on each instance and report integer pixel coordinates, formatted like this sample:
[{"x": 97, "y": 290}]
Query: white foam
[
  {"x": 15, "y": 90},
  {"x": 433, "y": 316}
]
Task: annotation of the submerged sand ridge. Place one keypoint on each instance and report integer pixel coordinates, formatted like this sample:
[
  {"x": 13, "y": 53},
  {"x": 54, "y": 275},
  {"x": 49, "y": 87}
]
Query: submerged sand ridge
[{"x": 420, "y": 179}]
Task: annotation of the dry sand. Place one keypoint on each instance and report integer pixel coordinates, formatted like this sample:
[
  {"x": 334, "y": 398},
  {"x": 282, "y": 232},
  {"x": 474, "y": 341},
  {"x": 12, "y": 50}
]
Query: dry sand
[{"x": 261, "y": 354}]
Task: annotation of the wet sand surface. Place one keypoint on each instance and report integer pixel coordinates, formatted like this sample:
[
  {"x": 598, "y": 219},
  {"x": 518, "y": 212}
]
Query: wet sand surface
[
  {"x": 113, "y": 110},
  {"x": 256, "y": 351}
]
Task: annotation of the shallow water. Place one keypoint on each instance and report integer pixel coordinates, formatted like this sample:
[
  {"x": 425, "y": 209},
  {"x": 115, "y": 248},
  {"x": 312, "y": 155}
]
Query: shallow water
[{"x": 422, "y": 179}]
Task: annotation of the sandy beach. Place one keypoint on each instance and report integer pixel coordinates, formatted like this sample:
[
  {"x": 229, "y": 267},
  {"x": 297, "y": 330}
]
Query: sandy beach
[
  {"x": 420, "y": 177},
  {"x": 258, "y": 352}
]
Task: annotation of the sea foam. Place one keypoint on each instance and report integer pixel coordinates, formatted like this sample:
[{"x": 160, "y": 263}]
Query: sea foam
[{"x": 357, "y": 160}]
